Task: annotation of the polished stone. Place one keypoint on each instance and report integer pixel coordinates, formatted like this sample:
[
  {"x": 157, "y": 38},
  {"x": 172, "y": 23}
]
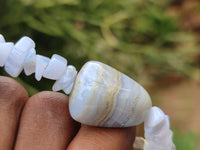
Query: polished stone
[{"x": 103, "y": 96}]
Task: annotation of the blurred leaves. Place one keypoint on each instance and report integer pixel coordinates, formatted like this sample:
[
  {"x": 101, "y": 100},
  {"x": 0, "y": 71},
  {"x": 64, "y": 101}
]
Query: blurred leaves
[
  {"x": 138, "y": 37},
  {"x": 186, "y": 141},
  {"x": 48, "y": 3}
]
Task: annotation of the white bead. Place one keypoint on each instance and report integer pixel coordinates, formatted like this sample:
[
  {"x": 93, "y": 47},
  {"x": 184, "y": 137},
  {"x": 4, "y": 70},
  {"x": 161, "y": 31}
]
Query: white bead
[
  {"x": 24, "y": 44},
  {"x": 156, "y": 116},
  {"x": 5, "y": 49},
  {"x": 41, "y": 64},
  {"x": 140, "y": 143},
  {"x": 69, "y": 88},
  {"x": 103, "y": 96},
  {"x": 66, "y": 80},
  {"x": 157, "y": 130},
  {"x": 56, "y": 67},
  {"x": 157, "y": 122},
  {"x": 14, "y": 63},
  {"x": 30, "y": 62},
  {"x": 2, "y": 40}
]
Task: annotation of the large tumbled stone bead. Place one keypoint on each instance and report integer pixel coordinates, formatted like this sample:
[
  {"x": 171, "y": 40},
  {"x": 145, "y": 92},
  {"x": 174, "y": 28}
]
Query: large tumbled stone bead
[{"x": 105, "y": 97}]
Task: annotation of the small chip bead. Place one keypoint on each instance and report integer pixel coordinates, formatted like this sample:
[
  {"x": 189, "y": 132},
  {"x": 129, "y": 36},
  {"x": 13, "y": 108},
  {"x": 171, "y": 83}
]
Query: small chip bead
[{"x": 22, "y": 55}]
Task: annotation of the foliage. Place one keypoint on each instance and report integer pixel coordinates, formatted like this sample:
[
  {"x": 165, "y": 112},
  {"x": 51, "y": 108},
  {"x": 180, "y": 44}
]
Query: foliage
[
  {"x": 187, "y": 141},
  {"x": 137, "y": 37}
]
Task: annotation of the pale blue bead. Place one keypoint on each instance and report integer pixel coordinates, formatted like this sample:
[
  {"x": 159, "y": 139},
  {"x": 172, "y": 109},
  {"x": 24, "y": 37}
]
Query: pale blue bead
[
  {"x": 103, "y": 96},
  {"x": 15, "y": 61},
  {"x": 56, "y": 67}
]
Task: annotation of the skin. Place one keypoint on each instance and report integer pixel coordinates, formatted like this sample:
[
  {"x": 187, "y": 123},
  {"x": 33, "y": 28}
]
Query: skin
[{"x": 43, "y": 122}]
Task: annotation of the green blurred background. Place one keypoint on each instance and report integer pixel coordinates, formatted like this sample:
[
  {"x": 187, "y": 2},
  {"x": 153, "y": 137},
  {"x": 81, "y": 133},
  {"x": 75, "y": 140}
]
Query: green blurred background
[{"x": 157, "y": 43}]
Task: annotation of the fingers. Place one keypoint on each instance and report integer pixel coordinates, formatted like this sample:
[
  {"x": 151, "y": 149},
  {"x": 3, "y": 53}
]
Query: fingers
[
  {"x": 45, "y": 123},
  {"x": 12, "y": 99},
  {"x": 93, "y": 138}
]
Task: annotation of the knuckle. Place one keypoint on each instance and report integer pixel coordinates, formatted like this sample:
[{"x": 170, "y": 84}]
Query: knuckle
[
  {"x": 11, "y": 91},
  {"x": 48, "y": 104},
  {"x": 90, "y": 144}
]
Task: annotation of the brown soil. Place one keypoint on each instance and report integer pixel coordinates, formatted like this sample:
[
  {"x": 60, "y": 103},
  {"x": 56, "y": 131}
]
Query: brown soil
[{"x": 182, "y": 103}]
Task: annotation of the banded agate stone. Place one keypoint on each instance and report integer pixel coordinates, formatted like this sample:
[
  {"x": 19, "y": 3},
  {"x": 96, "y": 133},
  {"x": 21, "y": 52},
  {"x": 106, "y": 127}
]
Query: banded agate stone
[{"x": 105, "y": 97}]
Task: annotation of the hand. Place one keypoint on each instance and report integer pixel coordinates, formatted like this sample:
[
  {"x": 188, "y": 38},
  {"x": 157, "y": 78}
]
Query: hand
[{"x": 43, "y": 122}]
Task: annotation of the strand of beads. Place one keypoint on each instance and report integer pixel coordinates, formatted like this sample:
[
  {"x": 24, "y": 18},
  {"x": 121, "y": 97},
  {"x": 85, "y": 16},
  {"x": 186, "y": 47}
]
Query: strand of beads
[
  {"x": 119, "y": 100},
  {"x": 22, "y": 55}
]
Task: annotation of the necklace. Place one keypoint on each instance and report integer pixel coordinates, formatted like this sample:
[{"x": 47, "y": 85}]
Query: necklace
[{"x": 99, "y": 95}]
